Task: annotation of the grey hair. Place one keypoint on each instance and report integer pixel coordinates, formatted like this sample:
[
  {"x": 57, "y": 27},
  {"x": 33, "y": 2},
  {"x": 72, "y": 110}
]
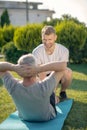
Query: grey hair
[{"x": 27, "y": 59}]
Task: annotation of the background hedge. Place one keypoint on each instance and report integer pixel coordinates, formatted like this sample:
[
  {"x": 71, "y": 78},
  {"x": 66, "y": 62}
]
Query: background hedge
[
  {"x": 28, "y": 37},
  {"x": 73, "y": 36},
  {"x": 16, "y": 41}
]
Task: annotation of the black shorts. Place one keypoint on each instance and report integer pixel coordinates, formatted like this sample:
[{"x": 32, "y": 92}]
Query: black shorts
[
  {"x": 52, "y": 101},
  {"x": 49, "y": 74}
]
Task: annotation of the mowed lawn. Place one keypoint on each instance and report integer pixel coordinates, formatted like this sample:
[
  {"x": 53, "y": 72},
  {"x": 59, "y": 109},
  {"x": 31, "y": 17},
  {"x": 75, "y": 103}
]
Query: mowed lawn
[{"x": 77, "y": 117}]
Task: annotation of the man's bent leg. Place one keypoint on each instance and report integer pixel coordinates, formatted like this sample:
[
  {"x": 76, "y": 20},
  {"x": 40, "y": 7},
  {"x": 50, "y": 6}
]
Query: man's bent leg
[{"x": 65, "y": 82}]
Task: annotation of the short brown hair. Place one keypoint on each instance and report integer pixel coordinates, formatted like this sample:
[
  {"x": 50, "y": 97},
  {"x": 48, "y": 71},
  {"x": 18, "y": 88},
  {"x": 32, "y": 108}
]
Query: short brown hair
[{"x": 47, "y": 30}]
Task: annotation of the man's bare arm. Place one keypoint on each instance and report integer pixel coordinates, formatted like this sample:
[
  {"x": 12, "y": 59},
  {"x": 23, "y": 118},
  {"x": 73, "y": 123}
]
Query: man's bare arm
[
  {"x": 53, "y": 66},
  {"x": 33, "y": 70},
  {"x": 42, "y": 75},
  {"x": 5, "y": 66}
]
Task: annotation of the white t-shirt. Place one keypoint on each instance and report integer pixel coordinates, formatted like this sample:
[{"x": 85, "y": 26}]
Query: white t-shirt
[{"x": 60, "y": 54}]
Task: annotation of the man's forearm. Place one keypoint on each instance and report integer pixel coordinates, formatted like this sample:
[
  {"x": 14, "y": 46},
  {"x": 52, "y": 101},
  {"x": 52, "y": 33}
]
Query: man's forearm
[
  {"x": 6, "y": 66},
  {"x": 54, "y": 66}
]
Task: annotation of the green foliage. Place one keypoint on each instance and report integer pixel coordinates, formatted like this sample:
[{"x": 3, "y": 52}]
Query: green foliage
[
  {"x": 1, "y": 39},
  {"x": 11, "y": 53},
  {"x": 67, "y": 17},
  {"x": 52, "y": 22},
  {"x": 28, "y": 37},
  {"x": 84, "y": 52},
  {"x": 1, "y": 82},
  {"x": 5, "y": 18},
  {"x": 8, "y": 33},
  {"x": 64, "y": 17},
  {"x": 73, "y": 36}
]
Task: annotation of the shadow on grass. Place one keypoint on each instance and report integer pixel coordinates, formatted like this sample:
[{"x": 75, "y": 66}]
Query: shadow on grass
[
  {"x": 1, "y": 82},
  {"x": 77, "y": 118},
  {"x": 80, "y": 85},
  {"x": 81, "y": 68}
]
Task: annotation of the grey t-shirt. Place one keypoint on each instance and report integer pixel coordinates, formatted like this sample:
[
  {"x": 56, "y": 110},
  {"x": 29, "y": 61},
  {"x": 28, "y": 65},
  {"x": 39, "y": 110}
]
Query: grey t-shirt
[{"x": 33, "y": 102}]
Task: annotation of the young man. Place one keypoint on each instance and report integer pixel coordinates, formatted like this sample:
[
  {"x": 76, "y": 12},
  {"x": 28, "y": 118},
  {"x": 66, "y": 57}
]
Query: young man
[
  {"x": 31, "y": 97},
  {"x": 50, "y": 51}
]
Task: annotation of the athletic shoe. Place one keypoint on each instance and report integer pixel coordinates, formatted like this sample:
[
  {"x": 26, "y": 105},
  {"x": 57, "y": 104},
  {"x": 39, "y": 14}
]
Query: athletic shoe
[{"x": 62, "y": 96}]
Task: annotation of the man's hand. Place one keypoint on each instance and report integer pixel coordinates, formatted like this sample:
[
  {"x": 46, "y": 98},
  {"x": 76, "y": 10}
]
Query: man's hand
[{"x": 26, "y": 70}]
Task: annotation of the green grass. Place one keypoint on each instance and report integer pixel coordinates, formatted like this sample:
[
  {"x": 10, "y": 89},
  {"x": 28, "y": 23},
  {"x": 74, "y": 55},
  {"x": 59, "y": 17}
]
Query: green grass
[{"x": 77, "y": 118}]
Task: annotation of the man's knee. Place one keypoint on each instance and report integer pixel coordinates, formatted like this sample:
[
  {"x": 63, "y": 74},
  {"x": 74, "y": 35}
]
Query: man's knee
[
  {"x": 68, "y": 74},
  {"x": 67, "y": 77}
]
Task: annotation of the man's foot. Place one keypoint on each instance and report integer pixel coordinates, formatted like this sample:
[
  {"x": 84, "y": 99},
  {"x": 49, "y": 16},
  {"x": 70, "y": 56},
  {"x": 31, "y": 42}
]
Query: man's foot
[{"x": 62, "y": 96}]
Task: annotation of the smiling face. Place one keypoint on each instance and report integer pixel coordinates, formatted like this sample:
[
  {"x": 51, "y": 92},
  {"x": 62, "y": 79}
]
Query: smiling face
[
  {"x": 48, "y": 37},
  {"x": 49, "y": 40}
]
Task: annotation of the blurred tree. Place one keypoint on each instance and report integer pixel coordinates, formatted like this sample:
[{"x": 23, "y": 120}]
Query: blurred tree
[{"x": 5, "y": 18}]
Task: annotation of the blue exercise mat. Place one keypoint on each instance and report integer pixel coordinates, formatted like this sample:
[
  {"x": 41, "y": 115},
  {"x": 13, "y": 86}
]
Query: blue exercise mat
[{"x": 13, "y": 122}]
